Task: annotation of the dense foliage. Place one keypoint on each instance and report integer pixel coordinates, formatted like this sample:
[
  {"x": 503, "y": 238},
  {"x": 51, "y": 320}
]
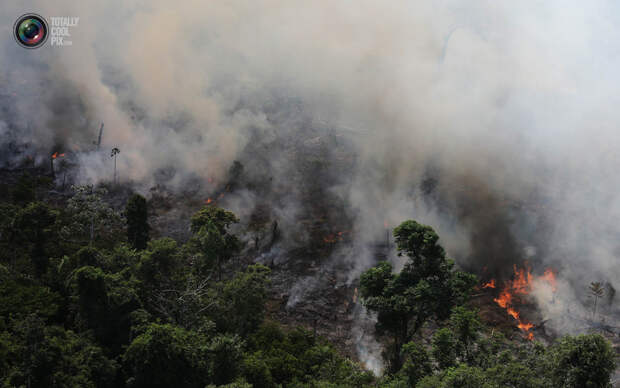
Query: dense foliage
[
  {"x": 86, "y": 300},
  {"x": 462, "y": 352}
]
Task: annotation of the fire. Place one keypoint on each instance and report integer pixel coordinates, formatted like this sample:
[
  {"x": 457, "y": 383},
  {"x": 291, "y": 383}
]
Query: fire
[
  {"x": 524, "y": 326},
  {"x": 335, "y": 237},
  {"x": 515, "y": 314},
  {"x": 490, "y": 284},
  {"x": 57, "y": 155},
  {"x": 549, "y": 277},
  {"x": 330, "y": 238},
  {"x": 504, "y": 299},
  {"x": 211, "y": 201},
  {"x": 520, "y": 285}
]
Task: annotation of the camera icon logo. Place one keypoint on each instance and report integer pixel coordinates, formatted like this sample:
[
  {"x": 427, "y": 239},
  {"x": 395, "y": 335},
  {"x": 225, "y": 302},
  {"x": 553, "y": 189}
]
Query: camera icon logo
[{"x": 30, "y": 30}]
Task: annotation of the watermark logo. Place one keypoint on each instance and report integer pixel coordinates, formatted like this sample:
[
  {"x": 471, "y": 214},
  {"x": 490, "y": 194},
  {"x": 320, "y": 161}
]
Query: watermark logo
[
  {"x": 61, "y": 29},
  {"x": 30, "y": 30}
]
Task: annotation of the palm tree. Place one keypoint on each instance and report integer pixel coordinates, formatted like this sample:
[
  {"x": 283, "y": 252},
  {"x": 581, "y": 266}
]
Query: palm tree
[
  {"x": 597, "y": 291},
  {"x": 115, "y": 151}
]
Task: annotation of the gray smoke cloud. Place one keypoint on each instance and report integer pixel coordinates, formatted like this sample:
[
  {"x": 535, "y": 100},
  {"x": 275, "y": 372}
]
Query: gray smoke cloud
[{"x": 494, "y": 122}]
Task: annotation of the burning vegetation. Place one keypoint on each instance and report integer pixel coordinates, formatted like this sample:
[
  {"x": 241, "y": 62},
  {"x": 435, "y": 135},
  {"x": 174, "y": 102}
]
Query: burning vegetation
[
  {"x": 312, "y": 147},
  {"x": 514, "y": 293}
]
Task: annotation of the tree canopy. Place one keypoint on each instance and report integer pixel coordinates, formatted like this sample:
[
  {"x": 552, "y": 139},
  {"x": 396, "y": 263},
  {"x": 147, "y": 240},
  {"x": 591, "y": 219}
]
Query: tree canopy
[
  {"x": 87, "y": 299},
  {"x": 428, "y": 286}
]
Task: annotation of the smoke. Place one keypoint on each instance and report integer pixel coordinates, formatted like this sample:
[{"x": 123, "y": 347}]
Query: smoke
[{"x": 493, "y": 122}]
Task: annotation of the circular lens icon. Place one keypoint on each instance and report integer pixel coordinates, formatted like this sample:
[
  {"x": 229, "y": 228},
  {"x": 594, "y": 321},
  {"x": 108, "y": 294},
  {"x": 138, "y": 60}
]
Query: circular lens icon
[{"x": 30, "y": 30}]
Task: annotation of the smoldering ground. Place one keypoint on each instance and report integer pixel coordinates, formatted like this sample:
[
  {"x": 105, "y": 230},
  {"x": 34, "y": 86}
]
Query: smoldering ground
[{"x": 496, "y": 123}]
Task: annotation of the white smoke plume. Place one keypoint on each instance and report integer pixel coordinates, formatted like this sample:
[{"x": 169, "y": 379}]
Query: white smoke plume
[{"x": 494, "y": 122}]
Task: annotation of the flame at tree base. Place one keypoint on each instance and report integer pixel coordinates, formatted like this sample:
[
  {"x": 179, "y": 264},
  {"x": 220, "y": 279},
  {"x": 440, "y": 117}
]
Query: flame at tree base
[{"x": 515, "y": 289}]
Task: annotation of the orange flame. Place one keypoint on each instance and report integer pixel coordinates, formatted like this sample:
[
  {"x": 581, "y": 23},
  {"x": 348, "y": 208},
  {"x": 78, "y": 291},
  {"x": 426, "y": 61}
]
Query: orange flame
[
  {"x": 549, "y": 277},
  {"x": 490, "y": 284},
  {"x": 54, "y": 155},
  {"x": 521, "y": 284},
  {"x": 504, "y": 299},
  {"x": 210, "y": 200},
  {"x": 515, "y": 314},
  {"x": 525, "y": 326},
  {"x": 335, "y": 237}
]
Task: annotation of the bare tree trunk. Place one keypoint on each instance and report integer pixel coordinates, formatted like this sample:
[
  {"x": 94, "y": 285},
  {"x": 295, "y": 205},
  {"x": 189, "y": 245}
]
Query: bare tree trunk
[{"x": 594, "y": 312}]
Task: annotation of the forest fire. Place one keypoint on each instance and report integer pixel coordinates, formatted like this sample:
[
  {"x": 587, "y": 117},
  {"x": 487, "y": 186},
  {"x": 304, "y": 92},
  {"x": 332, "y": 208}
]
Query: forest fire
[
  {"x": 514, "y": 290},
  {"x": 57, "y": 155},
  {"x": 490, "y": 284},
  {"x": 211, "y": 201},
  {"x": 549, "y": 277},
  {"x": 334, "y": 237}
]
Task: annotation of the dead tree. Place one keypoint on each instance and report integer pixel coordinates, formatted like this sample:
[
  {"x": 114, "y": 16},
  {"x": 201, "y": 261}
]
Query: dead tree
[
  {"x": 186, "y": 306},
  {"x": 98, "y": 142},
  {"x": 115, "y": 151},
  {"x": 597, "y": 291}
]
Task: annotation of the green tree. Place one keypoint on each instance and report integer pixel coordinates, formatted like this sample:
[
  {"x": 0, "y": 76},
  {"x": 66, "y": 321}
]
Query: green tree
[
  {"x": 104, "y": 303},
  {"x": 91, "y": 294},
  {"x": 416, "y": 364},
  {"x": 236, "y": 384},
  {"x": 226, "y": 358},
  {"x": 444, "y": 348},
  {"x": 171, "y": 292},
  {"x": 49, "y": 356},
  {"x": 584, "y": 361},
  {"x": 24, "y": 190},
  {"x": 21, "y": 297},
  {"x": 157, "y": 267},
  {"x": 432, "y": 381},
  {"x": 36, "y": 226},
  {"x": 427, "y": 286},
  {"x": 241, "y": 303},
  {"x": 167, "y": 356},
  {"x": 221, "y": 218},
  {"x": 212, "y": 238},
  {"x": 7, "y": 215},
  {"x": 516, "y": 375},
  {"x": 256, "y": 370},
  {"x": 90, "y": 217},
  {"x": 136, "y": 213},
  {"x": 465, "y": 325},
  {"x": 297, "y": 359},
  {"x": 464, "y": 376}
]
